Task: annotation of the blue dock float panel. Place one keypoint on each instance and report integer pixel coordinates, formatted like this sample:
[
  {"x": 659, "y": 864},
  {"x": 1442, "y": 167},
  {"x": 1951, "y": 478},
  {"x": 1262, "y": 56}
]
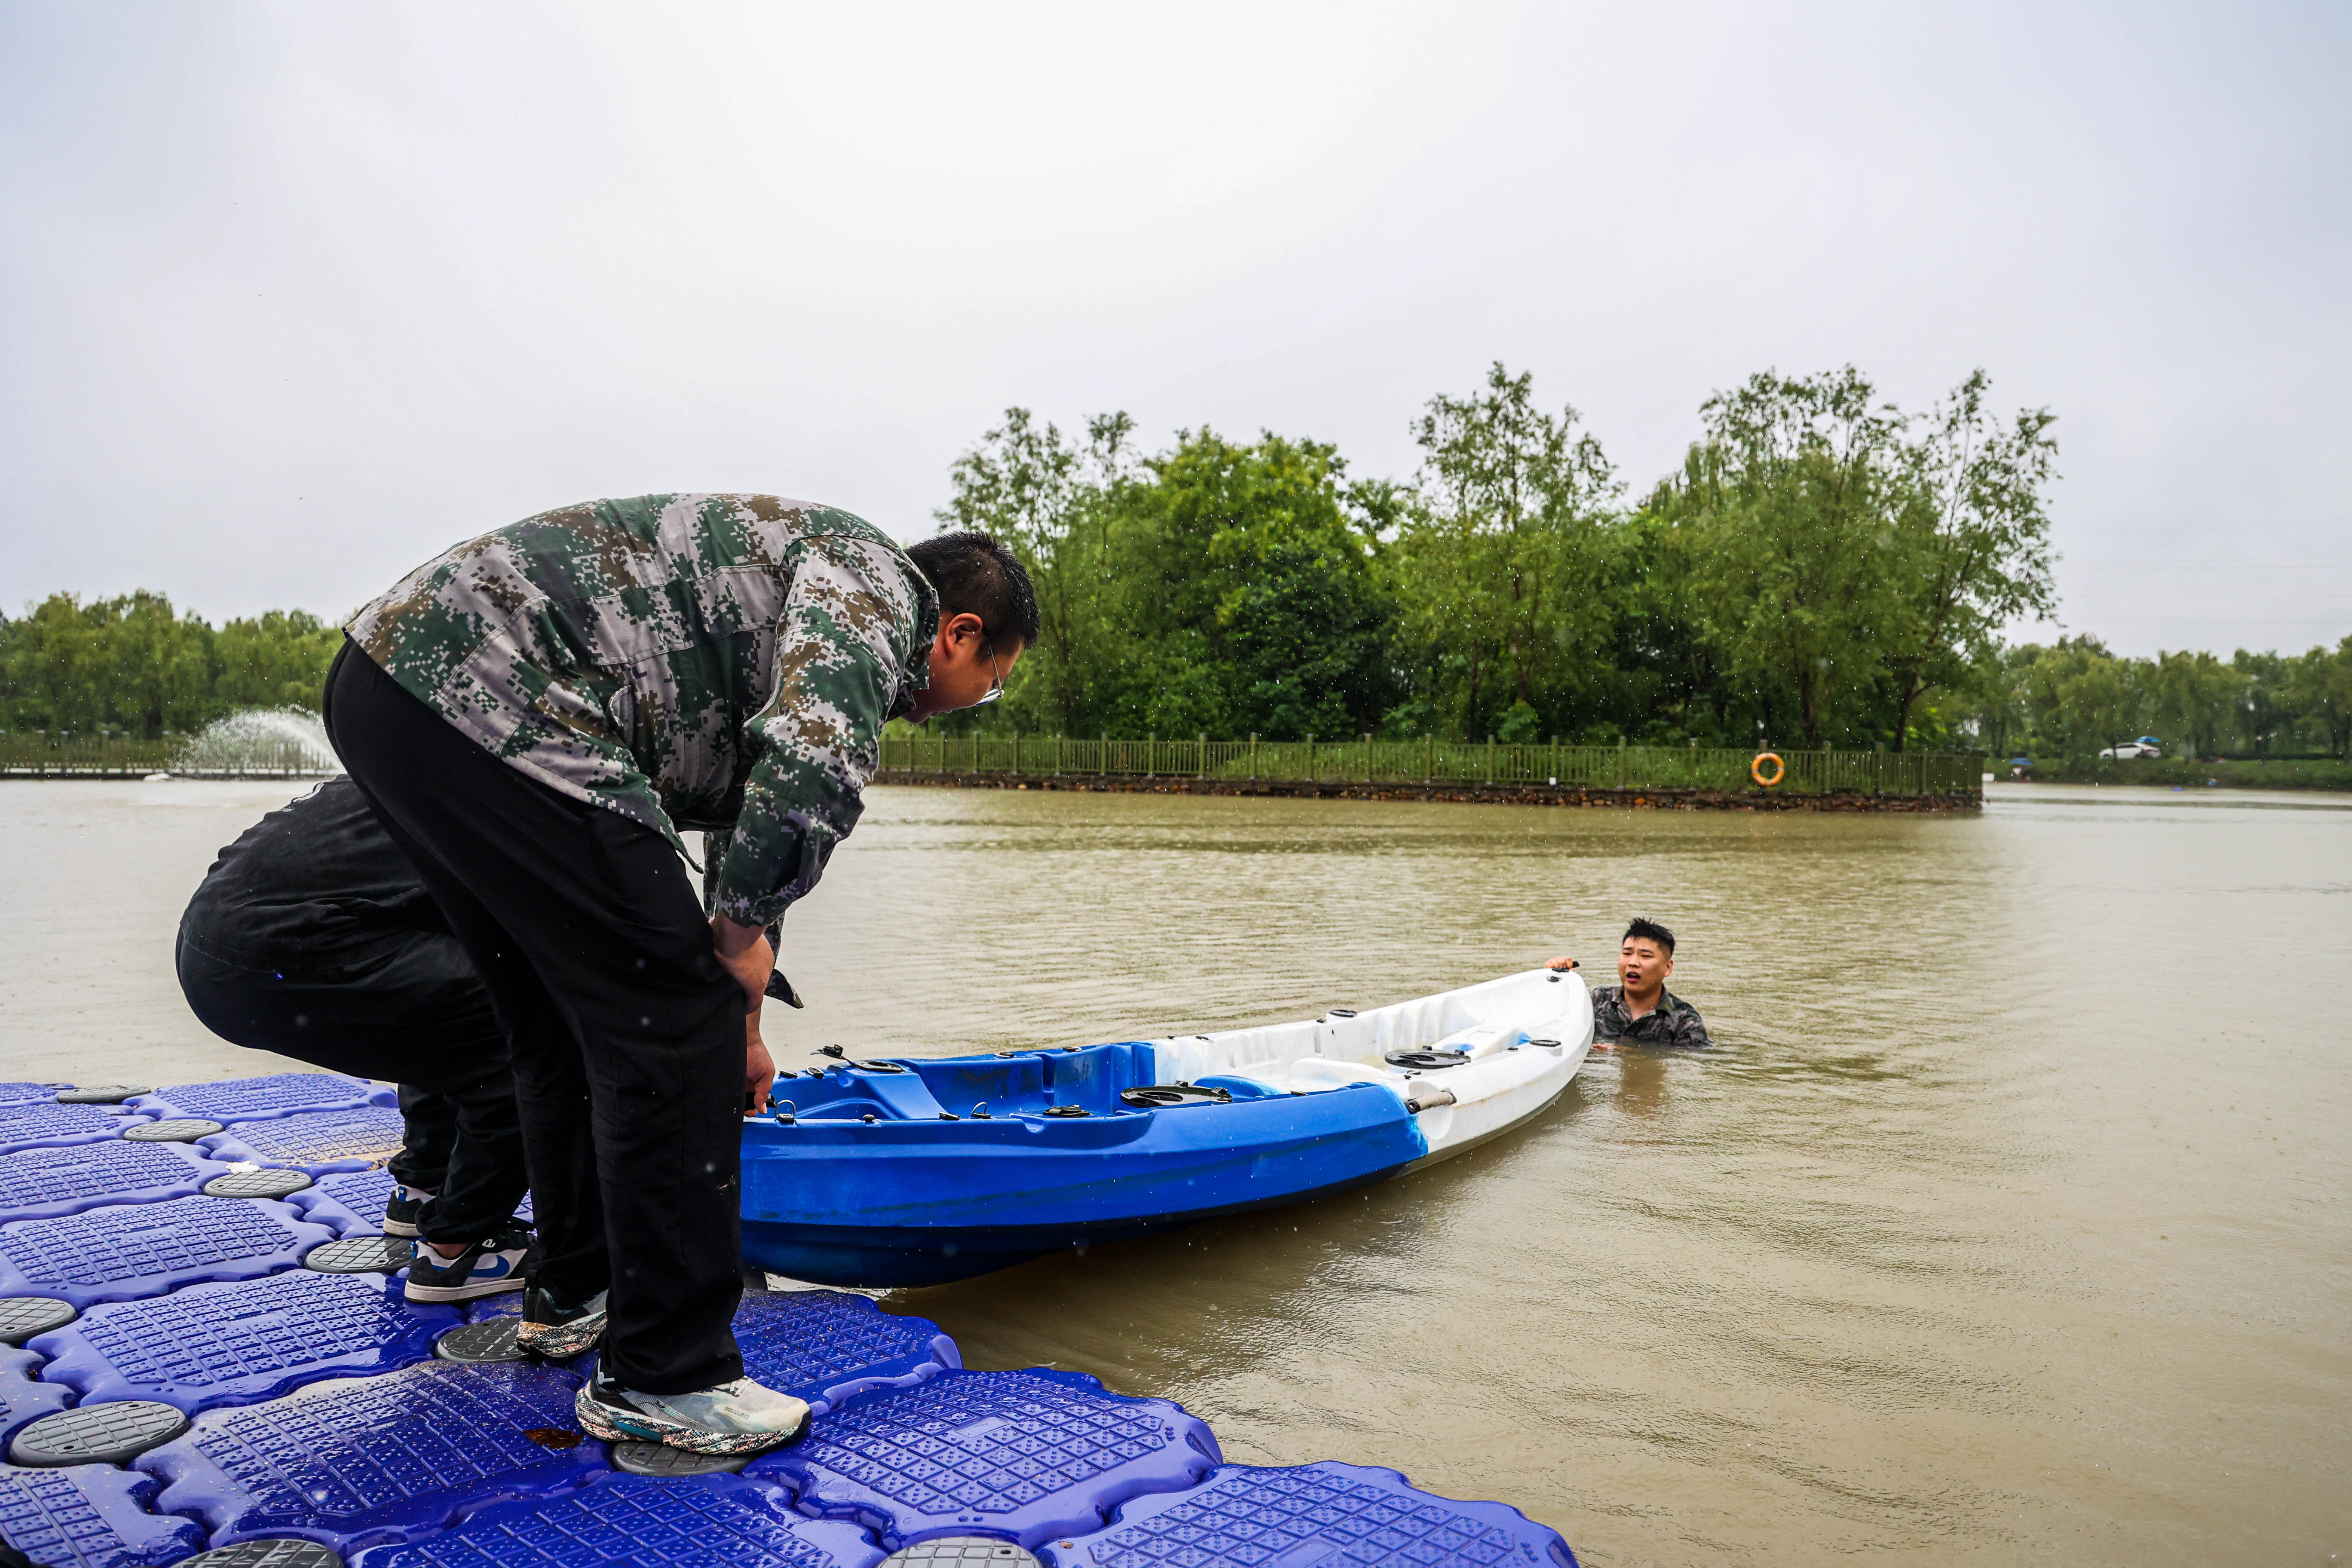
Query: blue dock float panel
[
  {"x": 233, "y": 1099},
  {"x": 37, "y": 1184},
  {"x": 24, "y": 1397},
  {"x": 128, "y": 1251},
  {"x": 1028, "y": 1456},
  {"x": 26, "y": 1093},
  {"x": 1331, "y": 1515},
  {"x": 356, "y": 1462},
  {"x": 707, "y": 1521},
  {"x": 823, "y": 1346},
  {"x": 349, "y": 1203},
  {"x": 91, "y": 1516},
  {"x": 507, "y": 1304},
  {"x": 44, "y": 1124},
  {"x": 214, "y": 1345},
  {"x": 314, "y": 1142}
]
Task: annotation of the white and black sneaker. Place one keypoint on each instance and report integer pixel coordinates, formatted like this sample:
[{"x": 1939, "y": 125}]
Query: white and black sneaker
[
  {"x": 405, "y": 1208},
  {"x": 556, "y": 1329},
  {"x": 738, "y": 1417},
  {"x": 489, "y": 1267}
]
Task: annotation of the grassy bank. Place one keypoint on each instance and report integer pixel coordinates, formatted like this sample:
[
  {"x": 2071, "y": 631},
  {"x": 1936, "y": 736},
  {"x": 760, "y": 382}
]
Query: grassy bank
[{"x": 2164, "y": 772}]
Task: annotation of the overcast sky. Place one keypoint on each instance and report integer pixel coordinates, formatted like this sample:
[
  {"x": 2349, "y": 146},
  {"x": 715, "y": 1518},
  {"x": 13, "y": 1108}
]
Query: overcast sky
[{"x": 293, "y": 296}]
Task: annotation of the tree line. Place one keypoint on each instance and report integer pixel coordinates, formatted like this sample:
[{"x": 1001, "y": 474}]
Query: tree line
[
  {"x": 1822, "y": 569},
  {"x": 2072, "y": 698},
  {"x": 135, "y": 665}
]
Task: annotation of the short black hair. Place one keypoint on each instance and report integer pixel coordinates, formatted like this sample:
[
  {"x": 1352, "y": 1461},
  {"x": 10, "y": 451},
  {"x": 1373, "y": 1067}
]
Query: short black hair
[
  {"x": 975, "y": 574},
  {"x": 1649, "y": 931}
]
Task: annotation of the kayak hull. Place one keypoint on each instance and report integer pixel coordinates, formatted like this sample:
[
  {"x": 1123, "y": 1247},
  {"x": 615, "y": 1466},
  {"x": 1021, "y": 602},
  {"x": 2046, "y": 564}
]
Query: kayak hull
[
  {"x": 923, "y": 1171},
  {"x": 939, "y": 1255}
]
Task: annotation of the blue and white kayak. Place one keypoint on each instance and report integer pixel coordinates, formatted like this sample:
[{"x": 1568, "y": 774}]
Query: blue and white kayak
[{"x": 914, "y": 1170}]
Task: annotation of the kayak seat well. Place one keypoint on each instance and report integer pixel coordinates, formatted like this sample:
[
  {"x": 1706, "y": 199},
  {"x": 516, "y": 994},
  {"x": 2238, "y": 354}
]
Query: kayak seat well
[{"x": 1021, "y": 1083}]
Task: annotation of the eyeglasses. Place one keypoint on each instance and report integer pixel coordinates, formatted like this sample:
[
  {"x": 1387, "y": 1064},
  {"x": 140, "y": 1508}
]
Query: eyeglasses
[{"x": 995, "y": 684}]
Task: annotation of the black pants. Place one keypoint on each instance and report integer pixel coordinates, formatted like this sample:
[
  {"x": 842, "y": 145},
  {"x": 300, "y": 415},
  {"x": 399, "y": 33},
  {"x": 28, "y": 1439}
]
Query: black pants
[
  {"x": 413, "y": 1014},
  {"x": 625, "y": 1035}
]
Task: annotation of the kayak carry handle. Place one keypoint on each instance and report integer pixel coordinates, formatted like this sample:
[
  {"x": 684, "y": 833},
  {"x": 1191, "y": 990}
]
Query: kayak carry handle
[{"x": 1161, "y": 1096}]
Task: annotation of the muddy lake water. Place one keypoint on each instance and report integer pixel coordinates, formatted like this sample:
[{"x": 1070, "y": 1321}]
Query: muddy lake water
[{"x": 2009, "y": 1221}]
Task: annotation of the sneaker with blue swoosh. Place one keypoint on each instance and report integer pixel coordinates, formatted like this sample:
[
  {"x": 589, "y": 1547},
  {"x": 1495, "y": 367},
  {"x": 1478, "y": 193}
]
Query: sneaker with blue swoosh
[{"x": 489, "y": 1267}]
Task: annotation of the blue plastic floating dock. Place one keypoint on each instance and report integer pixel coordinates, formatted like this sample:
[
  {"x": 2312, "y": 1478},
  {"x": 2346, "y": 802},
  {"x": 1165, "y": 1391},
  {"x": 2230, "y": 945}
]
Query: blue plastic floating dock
[
  {"x": 706, "y": 1521},
  {"x": 44, "y": 1124},
  {"x": 356, "y": 1462},
  {"x": 316, "y": 1141},
  {"x": 236, "y": 1099},
  {"x": 322, "y": 1420},
  {"x": 20, "y": 1093},
  {"x": 90, "y": 1516},
  {"x": 1330, "y": 1515},
  {"x": 212, "y": 1345},
  {"x": 23, "y": 1396},
  {"x": 826, "y": 1345},
  {"x": 133, "y": 1250},
  {"x": 35, "y": 1183},
  {"x": 1029, "y": 1455}
]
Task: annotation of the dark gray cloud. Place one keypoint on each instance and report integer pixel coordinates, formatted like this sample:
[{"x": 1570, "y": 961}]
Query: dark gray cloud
[{"x": 291, "y": 297}]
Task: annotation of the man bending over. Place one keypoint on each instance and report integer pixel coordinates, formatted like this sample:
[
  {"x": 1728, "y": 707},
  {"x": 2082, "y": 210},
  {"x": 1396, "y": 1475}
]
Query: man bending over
[
  {"x": 1639, "y": 1009},
  {"x": 533, "y": 717}
]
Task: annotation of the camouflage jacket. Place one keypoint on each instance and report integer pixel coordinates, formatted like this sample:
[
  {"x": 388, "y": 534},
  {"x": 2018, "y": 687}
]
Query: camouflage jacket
[
  {"x": 1673, "y": 1022},
  {"x": 712, "y": 661}
]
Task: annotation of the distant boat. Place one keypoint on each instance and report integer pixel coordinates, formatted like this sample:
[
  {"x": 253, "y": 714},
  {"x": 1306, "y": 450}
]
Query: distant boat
[{"x": 915, "y": 1170}]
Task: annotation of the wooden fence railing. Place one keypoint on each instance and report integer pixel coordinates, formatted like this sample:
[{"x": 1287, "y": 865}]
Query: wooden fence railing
[
  {"x": 92, "y": 756},
  {"x": 1366, "y": 761}
]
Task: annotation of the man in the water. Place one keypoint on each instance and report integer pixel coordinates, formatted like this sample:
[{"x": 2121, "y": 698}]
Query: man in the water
[{"x": 1639, "y": 1009}]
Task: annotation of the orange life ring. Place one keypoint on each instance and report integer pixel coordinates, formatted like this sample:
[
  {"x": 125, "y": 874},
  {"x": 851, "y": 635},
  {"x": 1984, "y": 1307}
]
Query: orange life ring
[{"x": 1756, "y": 769}]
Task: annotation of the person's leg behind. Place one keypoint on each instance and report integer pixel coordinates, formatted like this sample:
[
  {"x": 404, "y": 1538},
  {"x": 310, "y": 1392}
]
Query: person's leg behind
[
  {"x": 423, "y": 1162},
  {"x": 412, "y": 1012}
]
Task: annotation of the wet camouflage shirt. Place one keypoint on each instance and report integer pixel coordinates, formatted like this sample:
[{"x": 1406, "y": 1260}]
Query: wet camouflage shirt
[
  {"x": 713, "y": 661},
  {"x": 1674, "y": 1021}
]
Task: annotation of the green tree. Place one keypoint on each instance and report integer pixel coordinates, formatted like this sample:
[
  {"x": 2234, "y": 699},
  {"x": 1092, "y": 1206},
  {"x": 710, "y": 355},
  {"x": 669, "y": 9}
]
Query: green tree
[
  {"x": 1497, "y": 554},
  {"x": 59, "y": 668},
  {"x": 1244, "y": 583},
  {"x": 161, "y": 666},
  {"x": 1974, "y": 530},
  {"x": 1050, "y": 501},
  {"x": 1997, "y": 713},
  {"x": 2081, "y": 698},
  {"x": 1787, "y": 505},
  {"x": 2321, "y": 685},
  {"x": 2198, "y": 698}
]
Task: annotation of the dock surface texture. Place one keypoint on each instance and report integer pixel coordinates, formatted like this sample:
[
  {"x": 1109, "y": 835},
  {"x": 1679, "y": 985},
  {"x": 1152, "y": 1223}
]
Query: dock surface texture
[{"x": 177, "y": 1387}]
